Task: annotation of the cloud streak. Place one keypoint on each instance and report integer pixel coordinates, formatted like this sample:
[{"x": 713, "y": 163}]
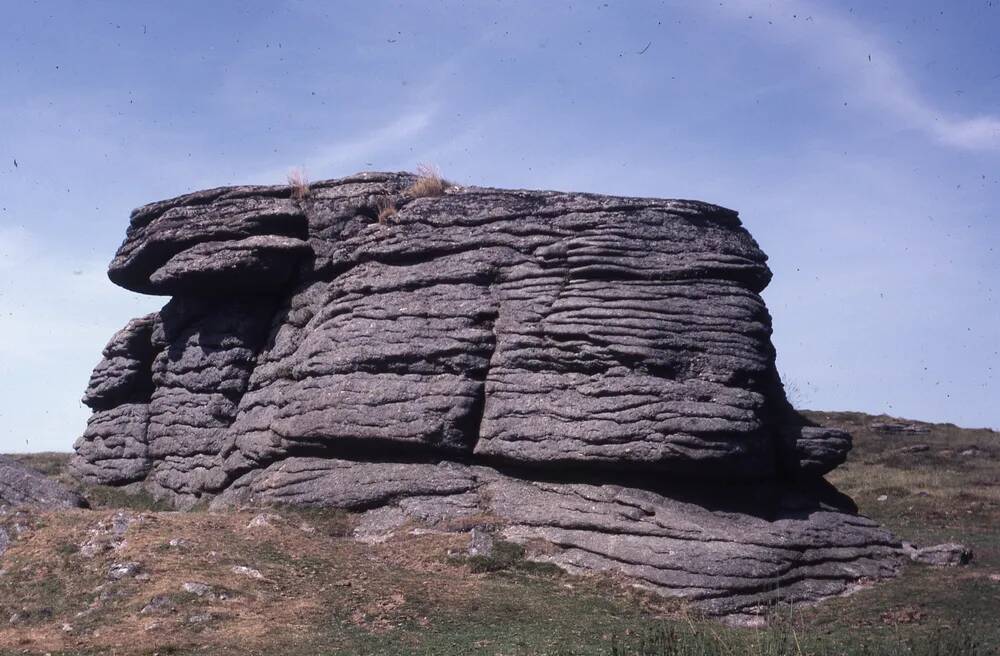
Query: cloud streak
[
  {"x": 337, "y": 156},
  {"x": 866, "y": 68},
  {"x": 334, "y": 158}
]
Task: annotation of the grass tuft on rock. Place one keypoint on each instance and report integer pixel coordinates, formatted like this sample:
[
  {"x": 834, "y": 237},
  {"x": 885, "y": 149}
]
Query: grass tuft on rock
[
  {"x": 298, "y": 183},
  {"x": 428, "y": 183}
]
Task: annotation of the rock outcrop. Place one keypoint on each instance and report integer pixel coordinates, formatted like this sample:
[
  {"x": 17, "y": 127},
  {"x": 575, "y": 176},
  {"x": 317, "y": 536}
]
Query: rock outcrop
[
  {"x": 596, "y": 372},
  {"x": 21, "y": 486}
]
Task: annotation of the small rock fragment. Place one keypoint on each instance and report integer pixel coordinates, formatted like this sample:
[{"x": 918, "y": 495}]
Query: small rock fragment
[
  {"x": 108, "y": 535},
  {"x": 249, "y": 572},
  {"x": 898, "y": 427},
  {"x": 157, "y": 605},
  {"x": 121, "y": 521},
  {"x": 120, "y": 571},
  {"x": 481, "y": 542},
  {"x": 263, "y": 520},
  {"x": 196, "y": 588},
  {"x": 949, "y": 554}
]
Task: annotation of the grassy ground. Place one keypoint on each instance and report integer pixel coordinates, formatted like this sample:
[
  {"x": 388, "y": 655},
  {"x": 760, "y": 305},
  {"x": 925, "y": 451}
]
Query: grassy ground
[{"x": 293, "y": 583}]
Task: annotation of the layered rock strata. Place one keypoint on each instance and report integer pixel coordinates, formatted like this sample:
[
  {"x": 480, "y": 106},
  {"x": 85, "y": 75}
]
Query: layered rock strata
[{"x": 572, "y": 364}]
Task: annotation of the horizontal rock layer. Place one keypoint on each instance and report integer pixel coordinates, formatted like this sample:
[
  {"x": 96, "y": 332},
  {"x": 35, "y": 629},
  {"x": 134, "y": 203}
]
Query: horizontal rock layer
[{"x": 536, "y": 328}]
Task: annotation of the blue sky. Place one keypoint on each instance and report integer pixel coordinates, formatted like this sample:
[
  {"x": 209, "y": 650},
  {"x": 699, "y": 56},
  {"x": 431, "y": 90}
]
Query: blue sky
[{"x": 859, "y": 141}]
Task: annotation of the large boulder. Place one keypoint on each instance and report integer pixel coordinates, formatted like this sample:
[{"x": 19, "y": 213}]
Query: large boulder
[
  {"x": 319, "y": 350},
  {"x": 22, "y": 486}
]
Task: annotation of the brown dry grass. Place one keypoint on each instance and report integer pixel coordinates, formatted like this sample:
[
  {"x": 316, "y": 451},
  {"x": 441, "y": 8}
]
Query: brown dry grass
[
  {"x": 428, "y": 183},
  {"x": 69, "y": 602},
  {"x": 386, "y": 209},
  {"x": 311, "y": 575},
  {"x": 299, "y": 183},
  {"x": 322, "y": 592}
]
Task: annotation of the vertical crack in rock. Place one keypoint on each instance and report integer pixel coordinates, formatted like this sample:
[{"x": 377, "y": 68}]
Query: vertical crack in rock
[{"x": 595, "y": 372}]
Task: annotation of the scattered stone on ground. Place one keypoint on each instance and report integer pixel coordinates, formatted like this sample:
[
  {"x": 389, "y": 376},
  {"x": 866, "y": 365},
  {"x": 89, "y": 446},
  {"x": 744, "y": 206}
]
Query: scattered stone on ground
[
  {"x": 264, "y": 520},
  {"x": 481, "y": 542},
  {"x": 109, "y": 534},
  {"x": 119, "y": 571},
  {"x": 159, "y": 604},
  {"x": 898, "y": 427},
  {"x": 940, "y": 555},
  {"x": 248, "y": 572},
  {"x": 199, "y": 618},
  {"x": 196, "y": 588}
]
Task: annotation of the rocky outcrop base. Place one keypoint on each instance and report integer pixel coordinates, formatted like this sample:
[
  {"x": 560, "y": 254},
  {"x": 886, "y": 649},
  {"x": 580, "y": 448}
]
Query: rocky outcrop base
[{"x": 730, "y": 551}]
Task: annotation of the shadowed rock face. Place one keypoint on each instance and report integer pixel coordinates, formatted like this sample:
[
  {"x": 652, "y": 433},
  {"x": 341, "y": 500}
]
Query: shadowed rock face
[{"x": 312, "y": 355}]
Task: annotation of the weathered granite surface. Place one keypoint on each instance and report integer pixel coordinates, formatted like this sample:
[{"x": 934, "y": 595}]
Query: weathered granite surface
[{"x": 571, "y": 363}]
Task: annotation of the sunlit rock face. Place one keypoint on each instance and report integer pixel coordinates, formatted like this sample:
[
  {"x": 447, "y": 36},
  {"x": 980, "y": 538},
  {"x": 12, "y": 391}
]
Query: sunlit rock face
[{"x": 550, "y": 348}]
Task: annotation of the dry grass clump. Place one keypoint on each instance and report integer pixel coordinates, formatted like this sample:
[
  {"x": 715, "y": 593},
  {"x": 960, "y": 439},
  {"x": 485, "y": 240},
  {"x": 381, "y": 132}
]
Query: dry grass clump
[
  {"x": 299, "y": 183},
  {"x": 386, "y": 209},
  {"x": 428, "y": 183}
]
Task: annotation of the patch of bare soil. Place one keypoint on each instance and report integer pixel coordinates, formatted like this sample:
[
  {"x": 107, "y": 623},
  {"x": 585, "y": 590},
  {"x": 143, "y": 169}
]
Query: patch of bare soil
[{"x": 148, "y": 581}]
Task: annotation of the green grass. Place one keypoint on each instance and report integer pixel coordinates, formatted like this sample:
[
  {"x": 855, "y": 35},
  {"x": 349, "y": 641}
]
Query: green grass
[
  {"x": 50, "y": 463},
  {"x": 507, "y": 556},
  {"x": 101, "y": 496}
]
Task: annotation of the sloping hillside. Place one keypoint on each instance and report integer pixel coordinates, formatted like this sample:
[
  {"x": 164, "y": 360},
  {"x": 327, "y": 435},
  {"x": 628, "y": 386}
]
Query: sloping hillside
[{"x": 128, "y": 577}]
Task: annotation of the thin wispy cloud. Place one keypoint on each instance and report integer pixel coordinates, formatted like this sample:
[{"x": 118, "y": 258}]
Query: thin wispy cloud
[
  {"x": 865, "y": 68},
  {"x": 400, "y": 130},
  {"x": 335, "y": 158}
]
